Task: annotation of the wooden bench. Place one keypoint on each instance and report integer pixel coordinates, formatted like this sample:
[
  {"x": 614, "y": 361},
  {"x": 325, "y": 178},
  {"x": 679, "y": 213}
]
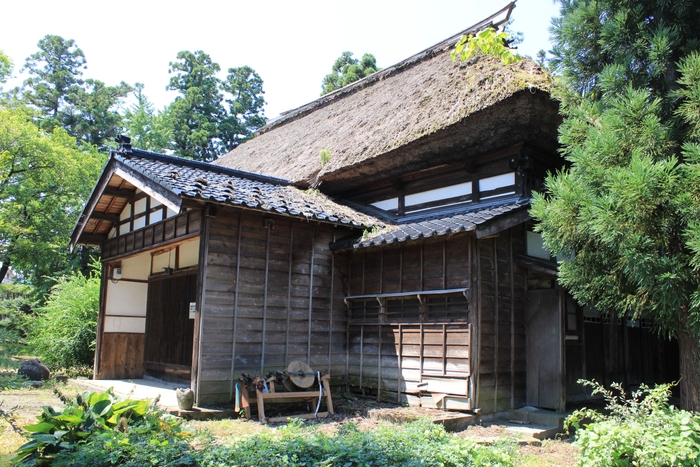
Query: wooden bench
[{"x": 279, "y": 397}]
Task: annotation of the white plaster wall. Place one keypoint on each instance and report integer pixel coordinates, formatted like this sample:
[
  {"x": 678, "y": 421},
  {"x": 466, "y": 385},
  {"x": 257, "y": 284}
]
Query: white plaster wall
[
  {"x": 125, "y": 324},
  {"x": 189, "y": 254},
  {"x": 125, "y": 307}
]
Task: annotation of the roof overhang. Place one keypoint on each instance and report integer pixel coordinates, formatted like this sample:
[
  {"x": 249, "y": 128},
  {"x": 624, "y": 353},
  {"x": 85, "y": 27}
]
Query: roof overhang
[
  {"x": 529, "y": 116},
  {"x": 117, "y": 185}
]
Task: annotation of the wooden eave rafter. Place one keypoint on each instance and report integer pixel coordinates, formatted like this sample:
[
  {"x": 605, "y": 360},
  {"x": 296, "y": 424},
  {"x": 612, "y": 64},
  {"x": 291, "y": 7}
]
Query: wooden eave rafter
[
  {"x": 502, "y": 223},
  {"x": 103, "y": 189}
]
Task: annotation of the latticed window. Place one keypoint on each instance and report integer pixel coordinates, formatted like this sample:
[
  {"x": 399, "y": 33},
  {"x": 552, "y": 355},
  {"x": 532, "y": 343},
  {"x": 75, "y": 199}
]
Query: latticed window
[{"x": 440, "y": 306}]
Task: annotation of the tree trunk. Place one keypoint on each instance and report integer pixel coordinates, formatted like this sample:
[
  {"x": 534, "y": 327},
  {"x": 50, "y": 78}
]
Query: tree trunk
[
  {"x": 3, "y": 270},
  {"x": 689, "y": 347}
]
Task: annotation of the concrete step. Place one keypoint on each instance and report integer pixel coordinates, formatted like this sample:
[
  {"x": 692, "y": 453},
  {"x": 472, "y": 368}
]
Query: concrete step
[
  {"x": 532, "y": 431},
  {"x": 452, "y": 421},
  {"x": 535, "y": 416}
]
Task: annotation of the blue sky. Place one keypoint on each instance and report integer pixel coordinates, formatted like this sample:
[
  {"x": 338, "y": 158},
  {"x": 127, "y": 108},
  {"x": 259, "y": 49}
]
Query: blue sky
[{"x": 292, "y": 45}]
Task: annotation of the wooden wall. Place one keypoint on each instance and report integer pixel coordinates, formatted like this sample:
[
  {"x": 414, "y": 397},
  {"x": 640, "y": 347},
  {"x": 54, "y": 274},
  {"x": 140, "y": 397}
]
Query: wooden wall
[
  {"x": 613, "y": 352},
  {"x": 494, "y": 325},
  {"x": 121, "y": 356},
  {"x": 272, "y": 293},
  {"x": 500, "y": 301}
]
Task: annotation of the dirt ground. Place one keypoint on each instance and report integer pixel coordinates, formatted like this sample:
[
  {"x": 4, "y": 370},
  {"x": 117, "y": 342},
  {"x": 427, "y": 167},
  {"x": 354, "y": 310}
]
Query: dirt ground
[{"x": 20, "y": 406}]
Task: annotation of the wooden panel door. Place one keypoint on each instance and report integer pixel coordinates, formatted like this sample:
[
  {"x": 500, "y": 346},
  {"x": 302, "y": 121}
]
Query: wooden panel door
[
  {"x": 169, "y": 330},
  {"x": 545, "y": 350}
]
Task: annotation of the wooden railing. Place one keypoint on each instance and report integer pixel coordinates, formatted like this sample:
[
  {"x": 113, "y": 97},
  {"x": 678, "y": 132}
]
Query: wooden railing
[{"x": 176, "y": 228}]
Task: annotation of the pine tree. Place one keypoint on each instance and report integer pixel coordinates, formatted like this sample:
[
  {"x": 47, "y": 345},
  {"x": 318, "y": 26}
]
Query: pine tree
[
  {"x": 212, "y": 116},
  {"x": 348, "y": 69},
  {"x": 627, "y": 209}
]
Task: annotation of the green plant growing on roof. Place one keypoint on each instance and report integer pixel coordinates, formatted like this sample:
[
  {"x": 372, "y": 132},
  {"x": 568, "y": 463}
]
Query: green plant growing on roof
[
  {"x": 326, "y": 156},
  {"x": 489, "y": 42},
  {"x": 367, "y": 233}
]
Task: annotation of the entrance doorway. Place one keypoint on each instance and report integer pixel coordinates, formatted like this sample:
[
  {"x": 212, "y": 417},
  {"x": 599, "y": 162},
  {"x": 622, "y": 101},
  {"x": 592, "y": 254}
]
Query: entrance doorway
[{"x": 169, "y": 329}]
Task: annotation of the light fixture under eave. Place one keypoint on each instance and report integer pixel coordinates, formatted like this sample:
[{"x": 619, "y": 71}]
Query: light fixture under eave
[{"x": 168, "y": 271}]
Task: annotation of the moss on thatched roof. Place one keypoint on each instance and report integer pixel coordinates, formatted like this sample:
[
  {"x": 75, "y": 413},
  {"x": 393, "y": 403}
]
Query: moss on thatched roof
[{"x": 413, "y": 115}]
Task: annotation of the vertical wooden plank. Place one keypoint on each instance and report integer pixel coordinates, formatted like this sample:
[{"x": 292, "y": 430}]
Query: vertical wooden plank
[
  {"x": 311, "y": 293},
  {"x": 401, "y": 273},
  {"x": 562, "y": 343},
  {"x": 379, "y": 362},
  {"x": 100, "y": 319},
  {"x": 472, "y": 345},
  {"x": 330, "y": 310},
  {"x": 381, "y": 272},
  {"x": 268, "y": 228},
  {"x": 400, "y": 366},
  {"x": 444, "y": 349},
  {"x": 444, "y": 264},
  {"x": 201, "y": 301},
  {"x": 235, "y": 307},
  {"x": 421, "y": 350},
  {"x": 364, "y": 257},
  {"x": 289, "y": 295},
  {"x": 495, "y": 325},
  {"x": 421, "y": 272},
  {"x": 511, "y": 264},
  {"x": 477, "y": 347},
  {"x": 362, "y": 356}
]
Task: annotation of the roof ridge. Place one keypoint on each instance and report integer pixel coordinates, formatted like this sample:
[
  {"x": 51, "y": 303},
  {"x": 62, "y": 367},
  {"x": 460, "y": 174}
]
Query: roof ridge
[
  {"x": 126, "y": 154},
  {"x": 381, "y": 74}
]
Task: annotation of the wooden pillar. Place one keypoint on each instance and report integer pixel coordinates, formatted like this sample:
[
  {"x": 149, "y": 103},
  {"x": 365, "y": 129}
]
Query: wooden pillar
[
  {"x": 235, "y": 310},
  {"x": 311, "y": 294},
  {"x": 268, "y": 228},
  {"x": 289, "y": 295},
  {"x": 201, "y": 303},
  {"x": 495, "y": 325},
  {"x": 100, "y": 319},
  {"x": 330, "y": 311}
]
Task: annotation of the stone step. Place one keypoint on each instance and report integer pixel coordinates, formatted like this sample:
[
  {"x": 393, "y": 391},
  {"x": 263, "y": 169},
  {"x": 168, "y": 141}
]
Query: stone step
[
  {"x": 452, "y": 421},
  {"x": 532, "y": 431},
  {"x": 533, "y": 415}
]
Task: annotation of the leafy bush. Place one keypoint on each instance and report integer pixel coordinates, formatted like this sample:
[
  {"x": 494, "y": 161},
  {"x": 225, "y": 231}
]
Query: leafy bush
[
  {"x": 641, "y": 430},
  {"x": 15, "y": 310},
  {"x": 420, "y": 443},
  {"x": 88, "y": 414},
  {"x": 165, "y": 443},
  {"x": 63, "y": 333}
]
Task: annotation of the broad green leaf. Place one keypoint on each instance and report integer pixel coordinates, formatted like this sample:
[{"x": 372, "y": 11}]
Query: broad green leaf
[{"x": 43, "y": 427}]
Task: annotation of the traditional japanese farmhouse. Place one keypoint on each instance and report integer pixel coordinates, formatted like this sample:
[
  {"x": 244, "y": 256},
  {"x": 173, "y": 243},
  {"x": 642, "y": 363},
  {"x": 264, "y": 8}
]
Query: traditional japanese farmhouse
[{"x": 380, "y": 234}]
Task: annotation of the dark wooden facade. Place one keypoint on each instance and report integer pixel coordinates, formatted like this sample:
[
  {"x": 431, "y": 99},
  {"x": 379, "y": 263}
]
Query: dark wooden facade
[
  {"x": 272, "y": 292},
  {"x": 465, "y": 355}
]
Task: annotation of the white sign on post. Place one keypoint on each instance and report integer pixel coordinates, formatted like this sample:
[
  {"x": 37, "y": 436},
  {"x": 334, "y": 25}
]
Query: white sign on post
[{"x": 193, "y": 309}]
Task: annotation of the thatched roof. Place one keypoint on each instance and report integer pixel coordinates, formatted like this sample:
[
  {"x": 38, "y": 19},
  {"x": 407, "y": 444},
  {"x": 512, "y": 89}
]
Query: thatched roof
[{"x": 422, "y": 112}]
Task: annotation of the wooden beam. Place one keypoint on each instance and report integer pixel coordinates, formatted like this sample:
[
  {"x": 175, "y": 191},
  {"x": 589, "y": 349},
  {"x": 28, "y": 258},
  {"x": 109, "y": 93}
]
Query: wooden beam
[
  {"x": 492, "y": 228},
  {"x": 118, "y": 193},
  {"x": 90, "y": 239},
  {"x": 104, "y": 216}
]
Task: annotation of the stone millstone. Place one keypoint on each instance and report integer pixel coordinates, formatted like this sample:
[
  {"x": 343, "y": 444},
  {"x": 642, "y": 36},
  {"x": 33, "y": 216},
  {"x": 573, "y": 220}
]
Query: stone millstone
[
  {"x": 301, "y": 374},
  {"x": 34, "y": 370}
]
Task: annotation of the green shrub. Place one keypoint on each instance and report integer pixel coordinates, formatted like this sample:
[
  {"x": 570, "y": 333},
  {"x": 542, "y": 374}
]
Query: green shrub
[
  {"x": 89, "y": 414},
  {"x": 642, "y": 430},
  {"x": 156, "y": 439},
  {"x": 63, "y": 333},
  {"x": 420, "y": 443},
  {"x": 16, "y": 307}
]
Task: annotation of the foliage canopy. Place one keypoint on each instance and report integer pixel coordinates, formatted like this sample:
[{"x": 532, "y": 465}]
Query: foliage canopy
[
  {"x": 348, "y": 69},
  {"x": 210, "y": 116},
  {"x": 627, "y": 206}
]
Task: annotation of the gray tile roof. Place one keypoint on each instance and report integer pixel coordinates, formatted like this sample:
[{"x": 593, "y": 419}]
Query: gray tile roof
[
  {"x": 192, "y": 179},
  {"x": 468, "y": 220}
]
